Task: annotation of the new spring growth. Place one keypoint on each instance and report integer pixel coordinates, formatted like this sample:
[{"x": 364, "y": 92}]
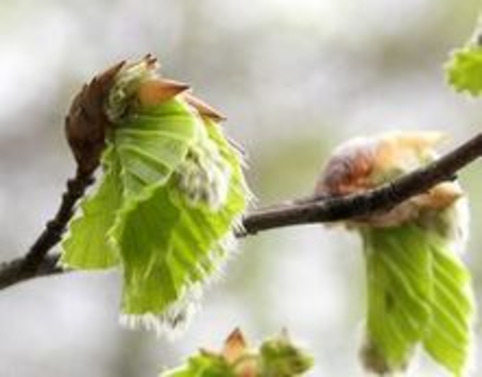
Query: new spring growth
[
  {"x": 419, "y": 291},
  {"x": 170, "y": 197},
  {"x": 464, "y": 69},
  {"x": 276, "y": 357}
]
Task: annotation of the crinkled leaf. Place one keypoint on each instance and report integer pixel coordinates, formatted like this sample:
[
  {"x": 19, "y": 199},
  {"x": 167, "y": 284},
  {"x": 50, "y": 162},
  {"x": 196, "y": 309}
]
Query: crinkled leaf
[
  {"x": 144, "y": 236},
  {"x": 464, "y": 70},
  {"x": 144, "y": 150},
  {"x": 449, "y": 337},
  {"x": 168, "y": 245},
  {"x": 151, "y": 143},
  {"x": 173, "y": 191},
  {"x": 419, "y": 292},
  {"x": 88, "y": 245},
  {"x": 399, "y": 291}
]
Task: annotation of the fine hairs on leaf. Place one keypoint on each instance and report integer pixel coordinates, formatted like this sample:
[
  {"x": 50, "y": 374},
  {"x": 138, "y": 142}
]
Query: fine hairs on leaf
[
  {"x": 171, "y": 193},
  {"x": 419, "y": 291}
]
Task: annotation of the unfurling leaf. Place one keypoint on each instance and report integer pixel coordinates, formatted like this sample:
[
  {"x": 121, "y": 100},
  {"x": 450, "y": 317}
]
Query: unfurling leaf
[
  {"x": 169, "y": 201},
  {"x": 419, "y": 291},
  {"x": 280, "y": 358},
  {"x": 277, "y": 357}
]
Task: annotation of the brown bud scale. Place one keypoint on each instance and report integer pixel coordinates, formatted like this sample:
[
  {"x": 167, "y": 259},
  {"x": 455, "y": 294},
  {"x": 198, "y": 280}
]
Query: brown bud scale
[{"x": 86, "y": 124}]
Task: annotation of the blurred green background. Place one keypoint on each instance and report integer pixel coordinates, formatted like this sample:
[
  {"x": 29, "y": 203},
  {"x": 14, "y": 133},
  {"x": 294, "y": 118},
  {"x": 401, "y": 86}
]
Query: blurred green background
[{"x": 295, "y": 78}]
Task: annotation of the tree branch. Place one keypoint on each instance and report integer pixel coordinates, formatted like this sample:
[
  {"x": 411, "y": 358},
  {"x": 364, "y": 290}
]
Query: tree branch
[
  {"x": 12, "y": 272},
  {"x": 35, "y": 263},
  {"x": 302, "y": 211},
  {"x": 380, "y": 199}
]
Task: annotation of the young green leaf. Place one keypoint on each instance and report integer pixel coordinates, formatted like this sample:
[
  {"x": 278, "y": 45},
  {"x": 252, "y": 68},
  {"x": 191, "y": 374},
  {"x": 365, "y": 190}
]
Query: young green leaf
[
  {"x": 276, "y": 357},
  {"x": 151, "y": 143},
  {"x": 279, "y": 357},
  {"x": 449, "y": 336},
  {"x": 88, "y": 245},
  {"x": 464, "y": 70},
  {"x": 172, "y": 194},
  {"x": 419, "y": 291},
  {"x": 204, "y": 364},
  {"x": 399, "y": 292}
]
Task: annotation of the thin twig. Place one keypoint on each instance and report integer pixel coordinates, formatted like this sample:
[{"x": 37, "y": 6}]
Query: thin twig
[
  {"x": 300, "y": 211},
  {"x": 34, "y": 263},
  {"x": 380, "y": 199},
  {"x": 12, "y": 272}
]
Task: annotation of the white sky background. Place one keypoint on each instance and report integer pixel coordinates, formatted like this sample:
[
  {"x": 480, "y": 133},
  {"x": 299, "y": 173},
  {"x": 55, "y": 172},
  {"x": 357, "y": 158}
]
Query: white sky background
[{"x": 285, "y": 72}]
